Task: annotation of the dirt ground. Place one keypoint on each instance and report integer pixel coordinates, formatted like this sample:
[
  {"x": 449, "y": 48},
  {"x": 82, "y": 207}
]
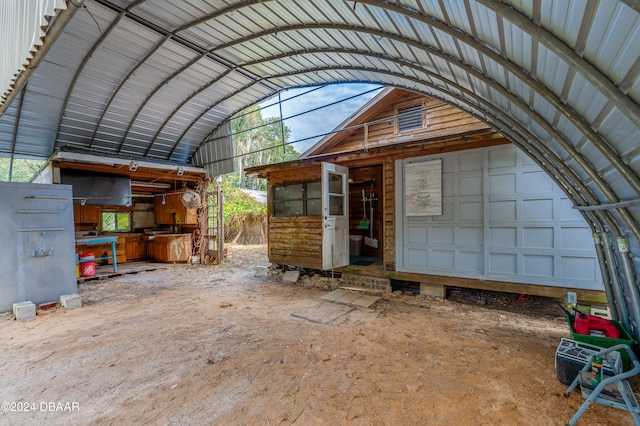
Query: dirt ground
[{"x": 235, "y": 345}]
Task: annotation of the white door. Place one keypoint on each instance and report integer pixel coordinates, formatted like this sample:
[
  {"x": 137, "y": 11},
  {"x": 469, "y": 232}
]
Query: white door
[{"x": 335, "y": 216}]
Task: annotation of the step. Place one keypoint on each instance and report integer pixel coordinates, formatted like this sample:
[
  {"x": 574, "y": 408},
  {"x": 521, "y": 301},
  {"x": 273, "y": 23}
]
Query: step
[
  {"x": 351, "y": 298},
  {"x": 362, "y": 281}
]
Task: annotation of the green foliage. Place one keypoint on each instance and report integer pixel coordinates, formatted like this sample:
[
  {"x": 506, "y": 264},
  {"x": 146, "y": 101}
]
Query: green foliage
[
  {"x": 237, "y": 203},
  {"x": 116, "y": 222},
  {"x": 23, "y": 170},
  {"x": 258, "y": 141},
  {"x": 240, "y": 210}
]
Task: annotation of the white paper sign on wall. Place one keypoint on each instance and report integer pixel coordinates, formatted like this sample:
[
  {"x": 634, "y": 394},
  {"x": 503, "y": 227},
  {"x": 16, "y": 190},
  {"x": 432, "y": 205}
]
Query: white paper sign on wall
[{"x": 423, "y": 188}]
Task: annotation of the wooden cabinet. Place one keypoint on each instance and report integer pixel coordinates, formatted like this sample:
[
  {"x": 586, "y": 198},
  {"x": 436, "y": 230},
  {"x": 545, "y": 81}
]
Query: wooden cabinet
[
  {"x": 89, "y": 213},
  {"x": 170, "y": 247},
  {"x": 173, "y": 212},
  {"x": 135, "y": 247}
]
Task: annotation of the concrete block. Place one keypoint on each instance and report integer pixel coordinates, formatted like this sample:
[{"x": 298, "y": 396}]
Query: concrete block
[
  {"x": 433, "y": 290},
  {"x": 70, "y": 301},
  {"x": 24, "y": 310},
  {"x": 291, "y": 276}
]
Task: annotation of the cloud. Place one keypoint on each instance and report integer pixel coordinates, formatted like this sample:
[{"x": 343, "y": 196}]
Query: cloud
[{"x": 311, "y": 118}]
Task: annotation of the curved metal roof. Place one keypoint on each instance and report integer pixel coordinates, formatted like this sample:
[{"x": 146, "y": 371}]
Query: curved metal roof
[{"x": 155, "y": 79}]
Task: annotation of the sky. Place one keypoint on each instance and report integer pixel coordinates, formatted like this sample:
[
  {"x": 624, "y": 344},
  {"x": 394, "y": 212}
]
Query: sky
[{"x": 316, "y": 123}]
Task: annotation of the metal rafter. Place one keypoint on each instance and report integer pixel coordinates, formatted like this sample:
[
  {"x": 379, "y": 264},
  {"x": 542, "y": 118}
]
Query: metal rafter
[
  {"x": 566, "y": 145},
  {"x": 576, "y": 119},
  {"x": 123, "y": 81},
  {"x": 605, "y": 148},
  {"x": 602, "y": 186},
  {"x": 201, "y": 51},
  {"x": 571, "y": 115},
  {"x": 183, "y": 103},
  {"x": 625, "y": 104},
  {"x": 538, "y": 33},
  {"x": 61, "y": 20},
  {"x": 220, "y": 12},
  {"x": 83, "y": 64},
  {"x": 203, "y": 113},
  {"x": 15, "y": 130}
]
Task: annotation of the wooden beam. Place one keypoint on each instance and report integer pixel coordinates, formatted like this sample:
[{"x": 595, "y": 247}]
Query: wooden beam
[{"x": 593, "y": 296}]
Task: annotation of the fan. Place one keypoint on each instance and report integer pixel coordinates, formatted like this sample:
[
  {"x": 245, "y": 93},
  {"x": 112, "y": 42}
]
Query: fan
[{"x": 190, "y": 199}]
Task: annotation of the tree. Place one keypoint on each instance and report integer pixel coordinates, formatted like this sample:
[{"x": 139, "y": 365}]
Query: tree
[
  {"x": 22, "y": 170},
  {"x": 258, "y": 141}
]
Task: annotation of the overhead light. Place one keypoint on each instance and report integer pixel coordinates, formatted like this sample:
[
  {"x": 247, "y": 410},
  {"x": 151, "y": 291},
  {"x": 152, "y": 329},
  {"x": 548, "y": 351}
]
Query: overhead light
[
  {"x": 180, "y": 170},
  {"x": 150, "y": 184},
  {"x": 133, "y": 166}
]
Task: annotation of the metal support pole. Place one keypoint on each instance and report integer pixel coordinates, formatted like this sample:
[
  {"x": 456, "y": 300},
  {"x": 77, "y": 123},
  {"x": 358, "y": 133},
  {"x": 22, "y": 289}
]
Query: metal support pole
[
  {"x": 220, "y": 236},
  {"x": 611, "y": 299},
  {"x": 615, "y": 283},
  {"x": 284, "y": 146},
  {"x": 632, "y": 288}
]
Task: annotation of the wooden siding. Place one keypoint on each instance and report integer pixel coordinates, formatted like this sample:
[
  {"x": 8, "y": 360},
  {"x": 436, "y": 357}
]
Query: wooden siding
[
  {"x": 389, "y": 214},
  {"x": 371, "y": 157},
  {"x": 442, "y": 120},
  {"x": 296, "y": 241}
]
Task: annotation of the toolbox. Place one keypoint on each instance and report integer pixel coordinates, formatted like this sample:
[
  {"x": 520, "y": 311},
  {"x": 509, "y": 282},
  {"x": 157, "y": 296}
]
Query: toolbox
[
  {"x": 571, "y": 357},
  {"x": 605, "y": 342}
]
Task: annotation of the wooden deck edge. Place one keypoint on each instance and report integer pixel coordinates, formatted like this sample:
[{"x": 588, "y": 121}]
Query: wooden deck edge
[{"x": 589, "y": 296}]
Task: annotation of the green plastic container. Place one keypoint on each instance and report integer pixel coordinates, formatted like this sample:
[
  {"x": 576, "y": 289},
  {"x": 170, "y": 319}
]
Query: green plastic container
[{"x": 606, "y": 342}]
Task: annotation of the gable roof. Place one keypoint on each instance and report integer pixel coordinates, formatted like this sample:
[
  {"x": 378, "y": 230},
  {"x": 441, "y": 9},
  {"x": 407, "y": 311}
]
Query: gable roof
[
  {"x": 349, "y": 137},
  {"x": 383, "y": 110},
  {"x": 353, "y": 122}
]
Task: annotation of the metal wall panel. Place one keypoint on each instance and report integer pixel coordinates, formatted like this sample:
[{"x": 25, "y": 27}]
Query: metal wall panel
[
  {"x": 216, "y": 155},
  {"x": 35, "y": 217},
  {"x": 503, "y": 219}
]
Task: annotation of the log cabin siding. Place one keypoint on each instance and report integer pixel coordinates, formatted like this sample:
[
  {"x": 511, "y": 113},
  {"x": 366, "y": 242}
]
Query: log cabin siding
[
  {"x": 296, "y": 241},
  {"x": 389, "y": 214}
]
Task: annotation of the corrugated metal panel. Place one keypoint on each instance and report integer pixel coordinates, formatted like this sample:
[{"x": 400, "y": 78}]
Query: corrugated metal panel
[
  {"x": 216, "y": 154},
  {"x": 20, "y": 34}
]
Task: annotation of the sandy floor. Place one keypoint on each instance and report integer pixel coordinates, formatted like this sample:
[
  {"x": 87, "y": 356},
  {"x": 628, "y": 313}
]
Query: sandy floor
[{"x": 235, "y": 345}]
